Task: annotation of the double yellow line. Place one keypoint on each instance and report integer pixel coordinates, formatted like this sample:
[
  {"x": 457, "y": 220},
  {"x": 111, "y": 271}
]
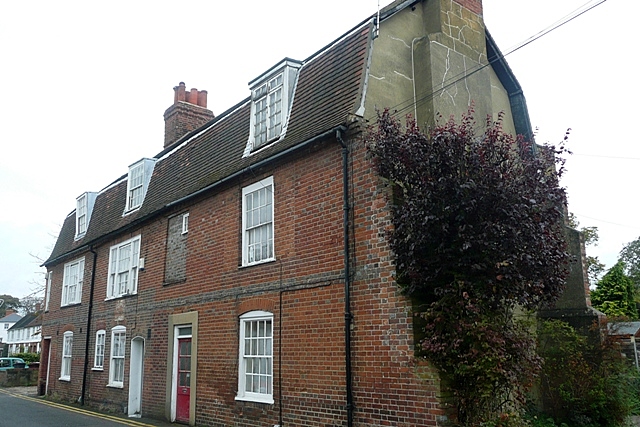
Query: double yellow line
[{"x": 124, "y": 421}]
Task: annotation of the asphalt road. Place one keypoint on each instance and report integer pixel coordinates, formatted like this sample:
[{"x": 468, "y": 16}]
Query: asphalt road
[{"x": 21, "y": 410}]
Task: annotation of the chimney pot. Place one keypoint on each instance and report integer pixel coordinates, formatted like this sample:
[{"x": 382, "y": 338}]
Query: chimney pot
[
  {"x": 193, "y": 96},
  {"x": 202, "y": 98},
  {"x": 180, "y": 93}
]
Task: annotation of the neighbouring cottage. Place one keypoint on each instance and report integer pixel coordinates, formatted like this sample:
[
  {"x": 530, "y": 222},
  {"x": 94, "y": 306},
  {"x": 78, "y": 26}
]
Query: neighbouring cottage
[
  {"x": 24, "y": 336},
  {"x": 241, "y": 276},
  {"x": 9, "y": 319}
]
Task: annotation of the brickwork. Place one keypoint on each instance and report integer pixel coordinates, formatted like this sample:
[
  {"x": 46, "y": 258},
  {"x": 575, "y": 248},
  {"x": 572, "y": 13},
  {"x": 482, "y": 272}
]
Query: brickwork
[
  {"x": 196, "y": 281},
  {"x": 303, "y": 288},
  {"x": 473, "y": 5},
  {"x": 188, "y": 112},
  {"x": 176, "y": 258}
]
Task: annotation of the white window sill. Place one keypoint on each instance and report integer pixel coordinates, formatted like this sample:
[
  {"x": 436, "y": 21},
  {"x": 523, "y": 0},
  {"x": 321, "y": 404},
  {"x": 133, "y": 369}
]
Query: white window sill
[
  {"x": 70, "y": 304},
  {"x": 115, "y": 385},
  {"x": 121, "y": 296},
  {"x": 130, "y": 211},
  {"x": 267, "y": 399},
  {"x": 264, "y": 261},
  {"x": 67, "y": 379},
  {"x": 97, "y": 369}
]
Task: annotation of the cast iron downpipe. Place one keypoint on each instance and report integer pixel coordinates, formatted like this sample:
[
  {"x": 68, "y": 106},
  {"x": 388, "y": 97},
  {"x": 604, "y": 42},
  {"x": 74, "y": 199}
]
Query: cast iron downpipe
[
  {"x": 87, "y": 332},
  {"x": 347, "y": 277}
]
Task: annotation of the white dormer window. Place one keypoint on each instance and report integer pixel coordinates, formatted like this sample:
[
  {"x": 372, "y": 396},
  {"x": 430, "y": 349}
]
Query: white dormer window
[
  {"x": 138, "y": 182},
  {"x": 271, "y": 96},
  {"x": 267, "y": 120},
  {"x": 84, "y": 207}
]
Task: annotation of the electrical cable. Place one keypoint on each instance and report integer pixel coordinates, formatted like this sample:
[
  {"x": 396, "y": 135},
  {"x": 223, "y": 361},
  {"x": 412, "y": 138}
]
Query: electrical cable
[{"x": 401, "y": 107}]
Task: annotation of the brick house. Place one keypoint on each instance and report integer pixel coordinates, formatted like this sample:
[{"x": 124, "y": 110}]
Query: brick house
[{"x": 241, "y": 277}]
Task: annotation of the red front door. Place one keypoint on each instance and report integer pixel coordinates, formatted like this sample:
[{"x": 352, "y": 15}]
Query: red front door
[{"x": 183, "y": 400}]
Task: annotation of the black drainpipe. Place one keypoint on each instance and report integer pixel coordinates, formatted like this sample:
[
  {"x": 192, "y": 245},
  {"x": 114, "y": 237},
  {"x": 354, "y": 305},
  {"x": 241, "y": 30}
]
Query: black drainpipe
[
  {"x": 347, "y": 278},
  {"x": 88, "y": 331}
]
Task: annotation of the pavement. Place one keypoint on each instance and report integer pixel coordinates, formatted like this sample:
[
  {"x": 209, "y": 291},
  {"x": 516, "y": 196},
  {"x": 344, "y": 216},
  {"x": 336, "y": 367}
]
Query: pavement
[{"x": 32, "y": 392}]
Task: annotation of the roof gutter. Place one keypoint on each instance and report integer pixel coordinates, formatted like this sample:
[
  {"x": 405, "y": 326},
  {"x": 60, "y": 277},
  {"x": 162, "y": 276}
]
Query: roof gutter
[{"x": 209, "y": 187}]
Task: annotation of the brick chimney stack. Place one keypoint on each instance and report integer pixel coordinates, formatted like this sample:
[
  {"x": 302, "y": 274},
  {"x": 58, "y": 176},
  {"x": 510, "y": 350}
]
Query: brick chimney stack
[
  {"x": 8, "y": 311},
  {"x": 188, "y": 112},
  {"x": 473, "y": 5}
]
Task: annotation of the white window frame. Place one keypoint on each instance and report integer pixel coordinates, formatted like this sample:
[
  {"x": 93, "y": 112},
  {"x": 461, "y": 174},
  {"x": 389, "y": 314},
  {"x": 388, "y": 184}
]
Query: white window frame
[
  {"x": 271, "y": 100},
  {"x": 257, "y": 348},
  {"x": 47, "y": 296},
  {"x": 117, "y": 357},
  {"x": 185, "y": 223},
  {"x": 67, "y": 356},
  {"x": 137, "y": 183},
  {"x": 72, "y": 282},
  {"x": 267, "y": 109},
  {"x": 84, "y": 207},
  {"x": 98, "y": 359},
  {"x": 81, "y": 216},
  {"x": 264, "y": 230},
  {"x": 123, "y": 271}
]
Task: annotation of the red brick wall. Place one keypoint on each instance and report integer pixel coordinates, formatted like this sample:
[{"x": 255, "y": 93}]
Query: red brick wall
[
  {"x": 303, "y": 288},
  {"x": 473, "y": 5}
]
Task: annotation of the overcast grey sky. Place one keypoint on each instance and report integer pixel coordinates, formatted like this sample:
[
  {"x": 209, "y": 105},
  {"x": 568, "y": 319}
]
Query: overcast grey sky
[{"x": 85, "y": 85}]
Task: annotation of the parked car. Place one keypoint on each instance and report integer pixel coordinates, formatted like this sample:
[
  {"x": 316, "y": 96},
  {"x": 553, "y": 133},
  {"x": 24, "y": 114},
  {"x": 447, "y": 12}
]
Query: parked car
[{"x": 12, "y": 363}]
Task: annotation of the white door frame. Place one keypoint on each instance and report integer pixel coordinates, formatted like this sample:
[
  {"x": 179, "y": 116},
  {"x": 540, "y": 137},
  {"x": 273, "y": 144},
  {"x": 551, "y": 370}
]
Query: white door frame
[
  {"x": 136, "y": 370},
  {"x": 46, "y": 384},
  {"x": 174, "y": 375}
]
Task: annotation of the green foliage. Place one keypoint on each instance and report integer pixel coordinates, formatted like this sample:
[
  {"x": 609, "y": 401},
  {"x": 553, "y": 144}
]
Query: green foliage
[
  {"x": 543, "y": 421},
  {"x": 28, "y": 357},
  {"x": 509, "y": 419},
  {"x": 9, "y": 303},
  {"x": 630, "y": 255},
  {"x": 595, "y": 268},
  {"x": 615, "y": 293},
  {"x": 585, "y": 382},
  {"x": 479, "y": 231}
]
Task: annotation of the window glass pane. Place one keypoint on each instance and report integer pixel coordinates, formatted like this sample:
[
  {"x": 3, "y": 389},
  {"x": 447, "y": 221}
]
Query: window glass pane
[
  {"x": 184, "y": 379},
  {"x": 184, "y": 331},
  {"x": 248, "y": 384},
  {"x": 185, "y": 363},
  {"x": 185, "y": 348}
]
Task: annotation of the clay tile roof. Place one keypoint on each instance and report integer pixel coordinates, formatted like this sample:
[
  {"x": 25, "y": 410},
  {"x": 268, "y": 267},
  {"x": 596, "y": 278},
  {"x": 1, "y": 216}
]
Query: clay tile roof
[{"x": 329, "y": 89}]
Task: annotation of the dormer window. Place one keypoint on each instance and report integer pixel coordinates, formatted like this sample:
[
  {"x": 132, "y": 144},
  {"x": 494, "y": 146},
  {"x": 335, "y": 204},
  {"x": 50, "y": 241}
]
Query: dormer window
[
  {"x": 137, "y": 183},
  {"x": 84, "y": 207},
  {"x": 271, "y": 96}
]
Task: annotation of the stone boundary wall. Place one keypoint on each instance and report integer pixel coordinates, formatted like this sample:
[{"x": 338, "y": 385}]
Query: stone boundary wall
[{"x": 19, "y": 377}]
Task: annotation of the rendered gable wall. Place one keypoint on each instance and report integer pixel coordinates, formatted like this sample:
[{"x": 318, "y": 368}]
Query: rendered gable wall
[{"x": 420, "y": 61}]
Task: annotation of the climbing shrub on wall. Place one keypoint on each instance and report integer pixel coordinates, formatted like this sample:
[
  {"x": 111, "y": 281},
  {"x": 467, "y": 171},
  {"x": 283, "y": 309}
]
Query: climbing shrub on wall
[{"x": 477, "y": 233}]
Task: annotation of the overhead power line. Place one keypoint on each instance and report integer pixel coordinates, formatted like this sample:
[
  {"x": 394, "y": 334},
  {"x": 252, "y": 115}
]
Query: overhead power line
[
  {"x": 409, "y": 103},
  {"x": 607, "y": 222}
]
